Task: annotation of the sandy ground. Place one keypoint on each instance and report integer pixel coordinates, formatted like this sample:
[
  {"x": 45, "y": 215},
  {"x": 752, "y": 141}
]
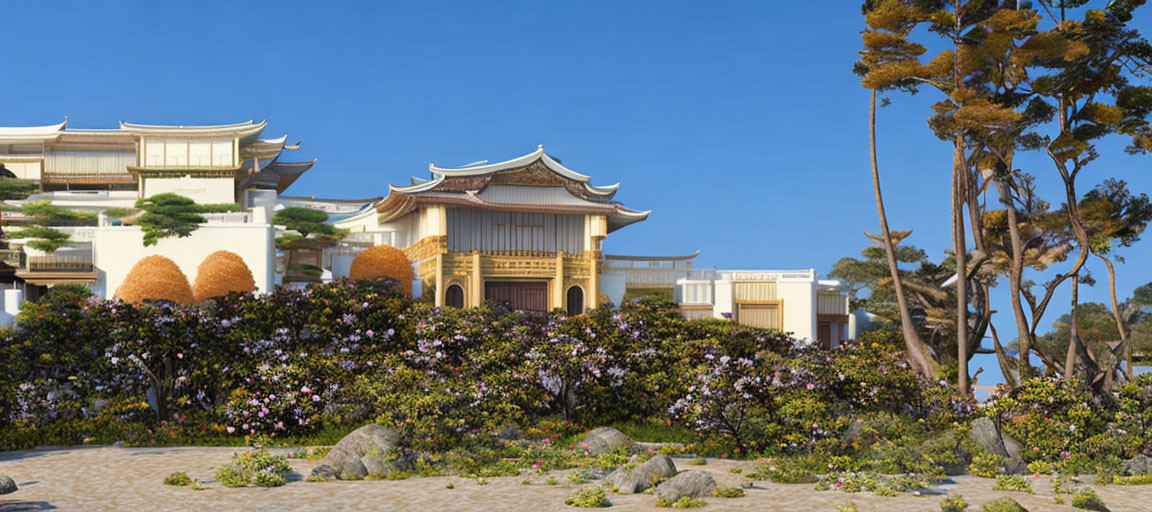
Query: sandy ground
[{"x": 111, "y": 478}]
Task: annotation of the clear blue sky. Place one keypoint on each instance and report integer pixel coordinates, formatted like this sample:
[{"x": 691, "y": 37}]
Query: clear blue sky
[{"x": 739, "y": 124}]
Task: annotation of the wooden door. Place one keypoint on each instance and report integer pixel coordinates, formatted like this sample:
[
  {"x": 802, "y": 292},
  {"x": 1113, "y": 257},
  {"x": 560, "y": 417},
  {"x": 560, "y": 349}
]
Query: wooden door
[{"x": 525, "y": 296}]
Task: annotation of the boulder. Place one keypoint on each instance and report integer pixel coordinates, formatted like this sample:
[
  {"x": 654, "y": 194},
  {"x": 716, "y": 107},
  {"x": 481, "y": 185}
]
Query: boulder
[
  {"x": 632, "y": 478},
  {"x": 695, "y": 484},
  {"x": 369, "y": 450},
  {"x": 1138, "y": 465},
  {"x": 7, "y": 484},
  {"x": 605, "y": 439},
  {"x": 985, "y": 435}
]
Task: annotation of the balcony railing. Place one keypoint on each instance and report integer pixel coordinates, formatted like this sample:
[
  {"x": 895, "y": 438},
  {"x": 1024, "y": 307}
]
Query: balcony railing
[{"x": 53, "y": 262}]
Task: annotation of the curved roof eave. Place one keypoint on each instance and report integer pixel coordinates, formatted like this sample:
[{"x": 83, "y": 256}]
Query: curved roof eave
[
  {"x": 549, "y": 162},
  {"x": 417, "y": 187},
  {"x": 33, "y": 132}
]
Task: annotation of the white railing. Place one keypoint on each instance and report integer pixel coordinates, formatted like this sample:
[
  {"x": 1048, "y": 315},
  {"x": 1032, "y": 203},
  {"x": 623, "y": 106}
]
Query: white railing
[
  {"x": 228, "y": 218},
  {"x": 660, "y": 276}
]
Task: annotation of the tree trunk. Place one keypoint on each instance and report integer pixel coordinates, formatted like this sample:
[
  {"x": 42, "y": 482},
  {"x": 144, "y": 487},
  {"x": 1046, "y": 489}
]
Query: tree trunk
[
  {"x": 1073, "y": 333},
  {"x": 1125, "y": 342},
  {"x": 919, "y": 357},
  {"x": 959, "y": 170},
  {"x": 1015, "y": 276}
]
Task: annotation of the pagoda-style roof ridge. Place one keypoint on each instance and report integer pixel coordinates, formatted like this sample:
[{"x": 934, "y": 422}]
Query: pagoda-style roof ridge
[
  {"x": 523, "y": 161},
  {"x": 244, "y": 126},
  {"x": 625, "y": 257},
  {"x": 51, "y": 130}
]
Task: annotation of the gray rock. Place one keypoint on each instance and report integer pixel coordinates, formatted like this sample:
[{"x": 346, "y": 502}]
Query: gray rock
[
  {"x": 633, "y": 478},
  {"x": 985, "y": 435},
  {"x": 1138, "y": 465},
  {"x": 7, "y": 484},
  {"x": 695, "y": 484},
  {"x": 369, "y": 450},
  {"x": 605, "y": 439}
]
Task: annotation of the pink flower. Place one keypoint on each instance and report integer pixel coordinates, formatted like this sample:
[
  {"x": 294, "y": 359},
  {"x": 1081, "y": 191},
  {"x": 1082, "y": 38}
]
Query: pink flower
[
  {"x": 811, "y": 386},
  {"x": 315, "y": 398},
  {"x": 231, "y": 430},
  {"x": 538, "y": 463},
  {"x": 1065, "y": 455},
  {"x": 369, "y": 333},
  {"x": 547, "y": 440}
]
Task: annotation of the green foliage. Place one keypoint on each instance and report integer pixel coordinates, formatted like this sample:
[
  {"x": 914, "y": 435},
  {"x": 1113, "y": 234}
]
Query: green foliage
[
  {"x": 168, "y": 215},
  {"x": 1132, "y": 480},
  {"x": 1004, "y": 505},
  {"x": 16, "y": 188},
  {"x": 120, "y": 213},
  {"x": 1012, "y": 483},
  {"x": 42, "y": 238},
  {"x": 1052, "y": 420},
  {"x": 256, "y": 467},
  {"x": 848, "y": 507},
  {"x": 953, "y": 503},
  {"x": 986, "y": 464},
  {"x": 729, "y": 492},
  {"x": 698, "y": 461},
  {"x": 44, "y": 213},
  {"x": 1087, "y": 499},
  {"x": 179, "y": 478},
  {"x": 1040, "y": 467},
  {"x": 593, "y": 497},
  {"x": 305, "y": 221},
  {"x": 683, "y": 502}
]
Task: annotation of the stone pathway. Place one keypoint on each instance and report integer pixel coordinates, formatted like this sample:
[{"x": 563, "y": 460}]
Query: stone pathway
[{"x": 93, "y": 479}]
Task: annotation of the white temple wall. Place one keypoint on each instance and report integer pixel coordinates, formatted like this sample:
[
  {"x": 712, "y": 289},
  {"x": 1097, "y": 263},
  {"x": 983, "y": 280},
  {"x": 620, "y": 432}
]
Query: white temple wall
[
  {"x": 613, "y": 285},
  {"x": 201, "y": 190},
  {"x": 799, "y": 302},
  {"x": 116, "y": 249}
]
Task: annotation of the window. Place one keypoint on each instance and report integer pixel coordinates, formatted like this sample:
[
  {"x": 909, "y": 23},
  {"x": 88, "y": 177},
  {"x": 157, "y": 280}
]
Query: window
[
  {"x": 153, "y": 152},
  {"x": 176, "y": 153},
  {"x": 200, "y": 153},
  {"x": 575, "y": 301},
  {"x": 222, "y": 152},
  {"x": 454, "y": 296}
]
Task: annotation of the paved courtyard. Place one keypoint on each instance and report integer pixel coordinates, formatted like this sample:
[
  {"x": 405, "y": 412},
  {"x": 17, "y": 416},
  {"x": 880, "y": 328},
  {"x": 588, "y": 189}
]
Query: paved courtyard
[{"x": 130, "y": 479}]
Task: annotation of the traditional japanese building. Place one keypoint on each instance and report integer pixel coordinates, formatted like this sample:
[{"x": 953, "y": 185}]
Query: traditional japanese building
[
  {"x": 527, "y": 232},
  {"x": 93, "y": 170}
]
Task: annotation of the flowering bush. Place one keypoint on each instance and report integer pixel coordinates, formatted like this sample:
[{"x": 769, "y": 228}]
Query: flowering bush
[{"x": 1051, "y": 420}]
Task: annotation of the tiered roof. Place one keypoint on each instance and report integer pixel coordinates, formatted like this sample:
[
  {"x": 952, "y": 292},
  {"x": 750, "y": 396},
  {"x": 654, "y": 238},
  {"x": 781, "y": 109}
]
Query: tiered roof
[
  {"x": 535, "y": 182},
  {"x": 260, "y": 164}
]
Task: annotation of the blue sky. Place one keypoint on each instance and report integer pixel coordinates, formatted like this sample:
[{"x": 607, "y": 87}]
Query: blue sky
[{"x": 739, "y": 124}]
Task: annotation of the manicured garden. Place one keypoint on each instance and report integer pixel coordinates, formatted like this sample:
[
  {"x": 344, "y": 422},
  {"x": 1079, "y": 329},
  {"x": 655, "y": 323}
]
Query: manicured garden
[{"x": 490, "y": 393}]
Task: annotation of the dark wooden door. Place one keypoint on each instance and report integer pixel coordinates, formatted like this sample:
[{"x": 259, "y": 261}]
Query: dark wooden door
[{"x": 526, "y": 296}]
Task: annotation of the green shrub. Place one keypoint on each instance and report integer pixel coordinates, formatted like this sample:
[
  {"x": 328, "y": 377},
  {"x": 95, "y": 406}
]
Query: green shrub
[
  {"x": 729, "y": 492},
  {"x": 1004, "y": 505},
  {"x": 256, "y": 467},
  {"x": 593, "y": 497},
  {"x": 698, "y": 461},
  {"x": 1012, "y": 483},
  {"x": 1133, "y": 480},
  {"x": 1087, "y": 499},
  {"x": 953, "y": 504},
  {"x": 179, "y": 478},
  {"x": 986, "y": 464},
  {"x": 1051, "y": 419},
  {"x": 1040, "y": 467},
  {"x": 683, "y": 502},
  {"x": 848, "y": 507}
]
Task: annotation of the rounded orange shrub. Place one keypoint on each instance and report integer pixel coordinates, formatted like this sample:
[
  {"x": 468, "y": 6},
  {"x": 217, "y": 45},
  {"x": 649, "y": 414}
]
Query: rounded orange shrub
[
  {"x": 155, "y": 278},
  {"x": 221, "y": 273},
  {"x": 384, "y": 261}
]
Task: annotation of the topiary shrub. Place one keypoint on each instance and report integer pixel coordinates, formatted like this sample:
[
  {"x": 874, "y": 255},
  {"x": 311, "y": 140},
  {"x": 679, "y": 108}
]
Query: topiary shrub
[
  {"x": 155, "y": 278},
  {"x": 383, "y": 261},
  {"x": 221, "y": 273},
  {"x": 1004, "y": 505}
]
